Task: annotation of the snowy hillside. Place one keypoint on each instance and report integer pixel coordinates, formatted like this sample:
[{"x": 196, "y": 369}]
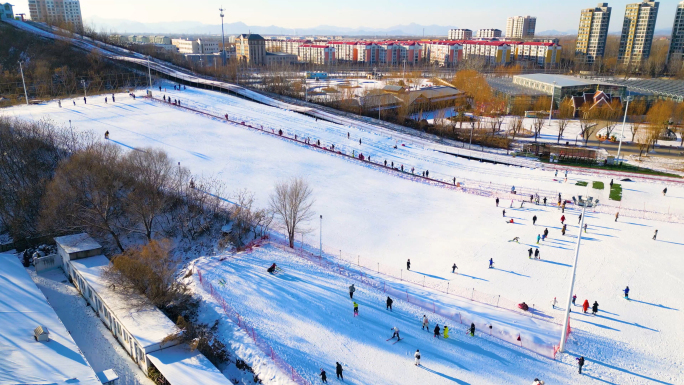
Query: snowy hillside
[{"x": 390, "y": 217}]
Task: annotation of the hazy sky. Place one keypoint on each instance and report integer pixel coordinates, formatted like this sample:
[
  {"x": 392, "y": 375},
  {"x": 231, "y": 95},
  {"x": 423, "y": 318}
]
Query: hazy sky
[{"x": 551, "y": 14}]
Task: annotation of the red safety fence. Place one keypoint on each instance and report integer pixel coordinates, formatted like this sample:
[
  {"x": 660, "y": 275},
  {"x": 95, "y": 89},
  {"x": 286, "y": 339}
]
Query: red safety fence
[
  {"x": 469, "y": 186},
  {"x": 243, "y": 324},
  {"x": 461, "y": 318}
]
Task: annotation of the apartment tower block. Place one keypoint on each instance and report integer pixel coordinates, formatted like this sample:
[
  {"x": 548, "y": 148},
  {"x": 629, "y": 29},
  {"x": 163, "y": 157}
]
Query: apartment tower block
[
  {"x": 637, "y": 32},
  {"x": 521, "y": 27},
  {"x": 592, "y": 33}
]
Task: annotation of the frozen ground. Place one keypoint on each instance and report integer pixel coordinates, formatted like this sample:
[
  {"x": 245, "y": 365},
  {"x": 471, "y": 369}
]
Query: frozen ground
[
  {"x": 93, "y": 338},
  {"x": 375, "y": 213}
]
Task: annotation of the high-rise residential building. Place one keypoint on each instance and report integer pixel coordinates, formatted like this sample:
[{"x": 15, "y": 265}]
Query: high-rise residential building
[
  {"x": 637, "y": 32},
  {"x": 592, "y": 33},
  {"x": 460, "y": 34},
  {"x": 676, "y": 50},
  {"x": 521, "y": 27},
  {"x": 488, "y": 33},
  {"x": 58, "y": 12}
]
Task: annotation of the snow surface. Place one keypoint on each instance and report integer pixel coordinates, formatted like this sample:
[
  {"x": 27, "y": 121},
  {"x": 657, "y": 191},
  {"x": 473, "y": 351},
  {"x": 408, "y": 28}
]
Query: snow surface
[
  {"x": 23, "y": 360},
  {"x": 93, "y": 338},
  {"x": 373, "y": 212}
]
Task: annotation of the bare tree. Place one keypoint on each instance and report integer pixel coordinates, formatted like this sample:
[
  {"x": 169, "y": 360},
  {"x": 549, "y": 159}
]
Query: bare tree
[
  {"x": 87, "y": 194},
  {"x": 292, "y": 201},
  {"x": 565, "y": 113},
  {"x": 538, "y": 124},
  {"x": 154, "y": 178}
]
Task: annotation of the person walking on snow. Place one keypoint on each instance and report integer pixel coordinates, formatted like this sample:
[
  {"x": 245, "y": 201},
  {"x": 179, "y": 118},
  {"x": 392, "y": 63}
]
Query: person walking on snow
[
  {"x": 504, "y": 213},
  {"x": 497, "y": 201},
  {"x": 563, "y": 229},
  {"x": 389, "y": 303},
  {"x": 446, "y": 332},
  {"x": 356, "y": 309},
  {"x": 585, "y": 228},
  {"x": 538, "y": 238},
  {"x": 554, "y": 303},
  {"x": 664, "y": 191},
  {"x": 594, "y": 308},
  {"x": 546, "y": 233},
  {"x": 626, "y": 292},
  {"x": 544, "y": 201},
  {"x": 453, "y": 269},
  {"x": 617, "y": 214},
  {"x": 529, "y": 253},
  {"x": 579, "y": 219},
  {"x": 655, "y": 235},
  {"x": 472, "y": 329},
  {"x": 580, "y": 362},
  {"x": 417, "y": 356},
  {"x": 352, "y": 289},
  {"x": 426, "y": 323},
  {"x": 395, "y": 333},
  {"x": 574, "y": 298},
  {"x": 338, "y": 370},
  {"x": 534, "y": 220},
  {"x": 359, "y": 141},
  {"x": 324, "y": 376},
  {"x": 536, "y": 254},
  {"x": 408, "y": 264},
  {"x": 436, "y": 331},
  {"x": 491, "y": 263},
  {"x": 585, "y": 305},
  {"x": 563, "y": 219}
]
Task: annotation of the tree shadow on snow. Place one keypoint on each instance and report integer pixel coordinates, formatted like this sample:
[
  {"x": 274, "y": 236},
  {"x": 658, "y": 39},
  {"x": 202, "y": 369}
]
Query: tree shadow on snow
[{"x": 456, "y": 380}]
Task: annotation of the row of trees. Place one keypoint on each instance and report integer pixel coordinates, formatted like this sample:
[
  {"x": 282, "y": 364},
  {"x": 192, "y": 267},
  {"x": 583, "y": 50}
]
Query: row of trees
[{"x": 53, "y": 68}]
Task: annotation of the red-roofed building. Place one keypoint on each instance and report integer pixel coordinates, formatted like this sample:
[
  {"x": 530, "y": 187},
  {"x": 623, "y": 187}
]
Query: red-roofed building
[
  {"x": 543, "y": 54},
  {"x": 317, "y": 54},
  {"x": 444, "y": 53},
  {"x": 491, "y": 52}
]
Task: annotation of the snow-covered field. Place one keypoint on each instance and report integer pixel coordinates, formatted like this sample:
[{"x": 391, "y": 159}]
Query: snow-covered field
[{"x": 374, "y": 212}]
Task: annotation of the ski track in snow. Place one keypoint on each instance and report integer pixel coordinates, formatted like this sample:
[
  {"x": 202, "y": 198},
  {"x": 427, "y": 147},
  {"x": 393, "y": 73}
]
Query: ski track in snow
[{"x": 373, "y": 213}]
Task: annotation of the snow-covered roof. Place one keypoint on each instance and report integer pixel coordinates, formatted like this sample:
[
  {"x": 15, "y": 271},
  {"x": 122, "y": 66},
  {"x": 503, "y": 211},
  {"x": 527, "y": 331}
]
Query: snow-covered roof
[
  {"x": 181, "y": 366},
  {"x": 77, "y": 243},
  {"x": 23, "y": 307},
  {"x": 561, "y": 80},
  {"x": 147, "y": 324}
]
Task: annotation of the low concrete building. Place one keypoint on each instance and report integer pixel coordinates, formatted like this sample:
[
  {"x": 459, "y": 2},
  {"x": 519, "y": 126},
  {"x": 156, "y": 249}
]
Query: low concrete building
[
  {"x": 562, "y": 86},
  {"x": 134, "y": 321},
  {"x": 279, "y": 58}
]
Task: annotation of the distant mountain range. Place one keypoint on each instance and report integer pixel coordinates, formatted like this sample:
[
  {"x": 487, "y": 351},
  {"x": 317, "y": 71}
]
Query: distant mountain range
[{"x": 196, "y": 28}]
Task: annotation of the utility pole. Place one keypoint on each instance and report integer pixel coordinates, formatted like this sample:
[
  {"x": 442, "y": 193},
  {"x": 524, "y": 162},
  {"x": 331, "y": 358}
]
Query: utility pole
[
  {"x": 566, "y": 320},
  {"x": 23, "y": 82},
  {"x": 320, "y": 245},
  {"x": 83, "y": 82},
  {"x": 223, "y": 39},
  {"x": 624, "y": 120}
]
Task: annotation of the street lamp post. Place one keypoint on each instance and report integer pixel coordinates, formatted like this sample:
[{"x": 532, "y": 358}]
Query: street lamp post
[
  {"x": 553, "y": 90},
  {"x": 587, "y": 203},
  {"x": 320, "y": 232},
  {"x": 149, "y": 72},
  {"x": 23, "y": 82},
  {"x": 223, "y": 39},
  {"x": 83, "y": 82},
  {"x": 624, "y": 120}
]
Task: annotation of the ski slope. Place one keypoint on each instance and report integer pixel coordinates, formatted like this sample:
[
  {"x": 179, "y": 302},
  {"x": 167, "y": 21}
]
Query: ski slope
[{"x": 373, "y": 212}]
